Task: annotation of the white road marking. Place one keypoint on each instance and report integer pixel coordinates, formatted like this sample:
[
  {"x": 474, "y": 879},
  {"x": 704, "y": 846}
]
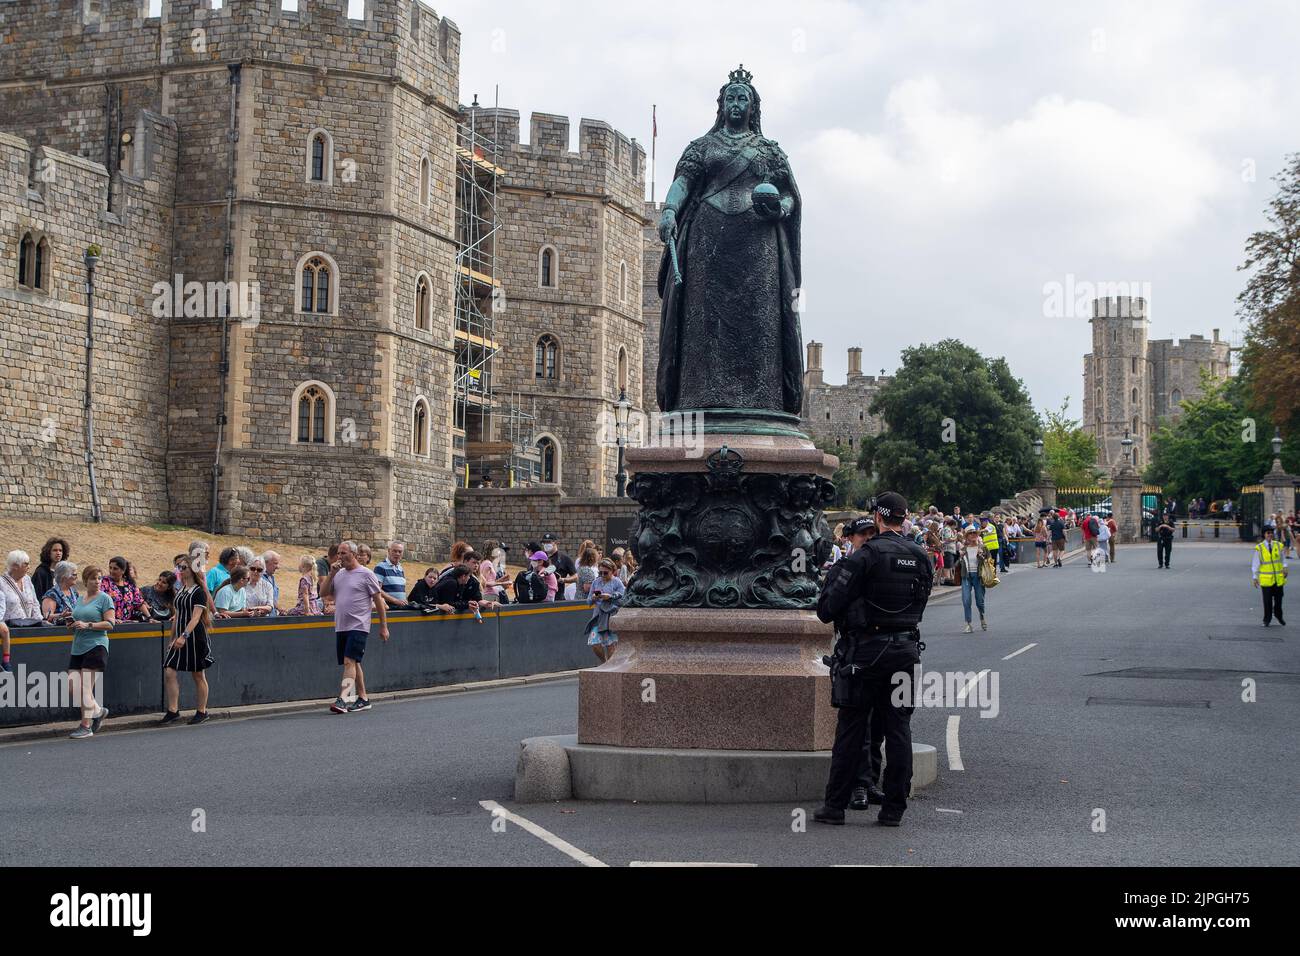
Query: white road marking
[
  {"x": 1021, "y": 651},
  {"x": 568, "y": 849},
  {"x": 666, "y": 863},
  {"x": 943, "y": 810},
  {"x": 954, "y": 750},
  {"x": 966, "y": 688}
]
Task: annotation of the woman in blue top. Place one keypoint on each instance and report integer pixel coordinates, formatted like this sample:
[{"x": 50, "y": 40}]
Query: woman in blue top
[
  {"x": 59, "y": 600},
  {"x": 92, "y": 619},
  {"x": 606, "y": 594}
]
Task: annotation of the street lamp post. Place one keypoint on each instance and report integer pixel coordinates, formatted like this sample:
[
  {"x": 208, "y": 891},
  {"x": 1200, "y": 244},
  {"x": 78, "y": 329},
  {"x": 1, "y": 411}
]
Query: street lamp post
[
  {"x": 621, "y": 411},
  {"x": 91, "y": 259},
  {"x": 1277, "y": 446},
  {"x": 1127, "y": 445}
]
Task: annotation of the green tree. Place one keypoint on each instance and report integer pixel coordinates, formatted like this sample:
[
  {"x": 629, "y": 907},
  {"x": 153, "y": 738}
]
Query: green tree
[
  {"x": 1219, "y": 443},
  {"x": 959, "y": 429},
  {"x": 1069, "y": 452},
  {"x": 1270, "y": 304}
]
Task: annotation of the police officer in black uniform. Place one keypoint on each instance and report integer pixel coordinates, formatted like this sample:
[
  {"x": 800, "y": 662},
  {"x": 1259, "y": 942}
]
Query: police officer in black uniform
[
  {"x": 867, "y": 786},
  {"x": 876, "y": 596}
]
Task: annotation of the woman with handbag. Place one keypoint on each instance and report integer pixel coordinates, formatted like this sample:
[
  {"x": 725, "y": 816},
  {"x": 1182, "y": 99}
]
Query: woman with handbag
[{"x": 971, "y": 563}]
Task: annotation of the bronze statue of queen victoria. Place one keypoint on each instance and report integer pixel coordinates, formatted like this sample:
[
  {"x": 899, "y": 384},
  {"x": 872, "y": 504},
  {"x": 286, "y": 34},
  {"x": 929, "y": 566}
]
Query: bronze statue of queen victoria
[{"x": 730, "y": 274}]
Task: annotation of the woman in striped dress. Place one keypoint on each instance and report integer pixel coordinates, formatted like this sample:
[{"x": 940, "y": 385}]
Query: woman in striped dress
[{"x": 190, "y": 649}]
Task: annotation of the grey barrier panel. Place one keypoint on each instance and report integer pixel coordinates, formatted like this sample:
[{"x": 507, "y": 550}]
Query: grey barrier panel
[
  {"x": 296, "y": 658},
  {"x": 542, "y": 638},
  {"x": 132, "y": 683}
]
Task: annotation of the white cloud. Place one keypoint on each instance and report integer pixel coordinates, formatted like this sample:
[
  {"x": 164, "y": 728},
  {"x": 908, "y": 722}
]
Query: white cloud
[{"x": 953, "y": 157}]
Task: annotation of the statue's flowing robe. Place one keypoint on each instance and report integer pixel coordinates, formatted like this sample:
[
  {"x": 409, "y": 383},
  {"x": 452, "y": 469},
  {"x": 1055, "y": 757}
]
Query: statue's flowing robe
[{"x": 729, "y": 335}]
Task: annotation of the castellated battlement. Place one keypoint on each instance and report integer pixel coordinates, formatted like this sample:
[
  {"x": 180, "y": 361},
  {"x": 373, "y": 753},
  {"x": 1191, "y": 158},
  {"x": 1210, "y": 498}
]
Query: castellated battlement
[
  {"x": 606, "y": 162},
  {"x": 53, "y": 185},
  {"x": 1120, "y": 307},
  {"x": 64, "y": 39}
]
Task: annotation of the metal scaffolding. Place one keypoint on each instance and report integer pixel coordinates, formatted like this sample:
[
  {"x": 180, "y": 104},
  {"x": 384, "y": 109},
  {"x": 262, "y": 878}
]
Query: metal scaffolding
[
  {"x": 474, "y": 450},
  {"x": 525, "y": 464}
]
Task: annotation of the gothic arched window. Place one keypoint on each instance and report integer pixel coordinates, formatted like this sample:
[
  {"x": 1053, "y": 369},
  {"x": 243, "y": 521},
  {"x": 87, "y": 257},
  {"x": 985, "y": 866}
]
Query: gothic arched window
[{"x": 546, "y": 357}]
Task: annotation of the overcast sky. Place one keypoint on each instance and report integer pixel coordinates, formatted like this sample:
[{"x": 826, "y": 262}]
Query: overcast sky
[{"x": 954, "y": 158}]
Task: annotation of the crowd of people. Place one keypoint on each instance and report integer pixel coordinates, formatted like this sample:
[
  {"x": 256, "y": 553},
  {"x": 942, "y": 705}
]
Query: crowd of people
[
  {"x": 195, "y": 592},
  {"x": 969, "y": 550}
]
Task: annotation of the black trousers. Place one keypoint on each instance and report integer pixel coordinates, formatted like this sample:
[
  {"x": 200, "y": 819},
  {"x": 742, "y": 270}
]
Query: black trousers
[
  {"x": 882, "y": 658},
  {"x": 869, "y": 765},
  {"x": 1272, "y": 602},
  {"x": 1163, "y": 548}
]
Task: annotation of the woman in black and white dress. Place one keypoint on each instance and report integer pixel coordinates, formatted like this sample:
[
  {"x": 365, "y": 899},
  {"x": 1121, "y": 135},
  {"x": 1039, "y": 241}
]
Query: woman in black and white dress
[{"x": 190, "y": 649}]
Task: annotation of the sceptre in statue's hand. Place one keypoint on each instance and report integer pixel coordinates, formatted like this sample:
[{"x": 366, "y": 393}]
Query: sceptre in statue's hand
[{"x": 668, "y": 236}]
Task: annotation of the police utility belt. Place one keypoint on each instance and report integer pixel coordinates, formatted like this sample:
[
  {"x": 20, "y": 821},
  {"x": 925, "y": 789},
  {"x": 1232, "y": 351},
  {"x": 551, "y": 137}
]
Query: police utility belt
[{"x": 848, "y": 684}]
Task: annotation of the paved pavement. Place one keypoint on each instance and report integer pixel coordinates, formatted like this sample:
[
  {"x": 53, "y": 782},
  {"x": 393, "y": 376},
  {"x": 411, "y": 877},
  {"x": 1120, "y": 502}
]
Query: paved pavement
[{"x": 1129, "y": 702}]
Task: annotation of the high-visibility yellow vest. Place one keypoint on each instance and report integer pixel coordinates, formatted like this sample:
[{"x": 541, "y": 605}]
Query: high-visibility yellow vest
[
  {"x": 1270, "y": 564},
  {"x": 991, "y": 538}
]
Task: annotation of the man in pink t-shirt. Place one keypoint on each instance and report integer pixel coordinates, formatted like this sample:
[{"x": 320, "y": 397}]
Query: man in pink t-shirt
[{"x": 355, "y": 590}]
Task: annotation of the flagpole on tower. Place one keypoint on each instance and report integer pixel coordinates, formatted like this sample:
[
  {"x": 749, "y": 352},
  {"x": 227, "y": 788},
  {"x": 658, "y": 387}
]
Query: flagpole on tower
[{"x": 654, "y": 140}]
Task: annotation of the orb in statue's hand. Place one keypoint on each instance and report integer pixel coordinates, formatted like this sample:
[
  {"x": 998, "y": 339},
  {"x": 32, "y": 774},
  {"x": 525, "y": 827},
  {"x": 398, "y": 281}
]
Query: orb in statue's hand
[{"x": 767, "y": 199}]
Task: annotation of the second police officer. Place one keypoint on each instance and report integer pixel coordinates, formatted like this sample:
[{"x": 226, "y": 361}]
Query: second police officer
[{"x": 876, "y": 596}]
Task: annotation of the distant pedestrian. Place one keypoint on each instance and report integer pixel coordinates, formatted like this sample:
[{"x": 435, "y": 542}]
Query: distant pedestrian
[
  {"x": 588, "y": 569},
  {"x": 1041, "y": 541},
  {"x": 1114, "y": 536},
  {"x": 271, "y": 563},
  {"x": 1164, "y": 541},
  {"x": 54, "y": 551},
  {"x": 190, "y": 649},
  {"x": 22, "y": 608},
  {"x": 259, "y": 592},
  {"x": 606, "y": 594},
  {"x": 61, "y": 600},
  {"x": 1268, "y": 573},
  {"x": 1090, "y": 527},
  {"x": 1056, "y": 528},
  {"x": 992, "y": 537},
  {"x": 219, "y": 573},
  {"x": 1102, "y": 550},
  {"x": 563, "y": 566},
  {"x": 232, "y": 597},
  {"x": 423, "y": 594},
  {"x": 92, "y": 619},
  {"x": 392, "y": 576},
  {"x": 354, "y": 589},
  {"x": 536, "y": 583},
  {"x": 971, "y": 560},
  {"x": 160, "y": 597},
  {"x": 308, "y": 597},
  {"x": 323, "y": 564}
]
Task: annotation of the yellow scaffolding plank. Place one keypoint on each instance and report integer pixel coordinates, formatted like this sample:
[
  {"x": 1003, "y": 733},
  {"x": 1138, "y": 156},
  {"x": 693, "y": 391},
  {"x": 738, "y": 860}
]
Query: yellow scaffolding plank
[
  {"x": 479, "y": 161},
  {"x": 476, "y": 339},
  {"x": 479, "y": 276}
]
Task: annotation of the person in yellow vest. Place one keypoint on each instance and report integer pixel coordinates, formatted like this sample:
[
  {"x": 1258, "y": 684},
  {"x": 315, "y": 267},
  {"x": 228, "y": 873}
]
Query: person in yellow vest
[
  {"x": 1268, "y": 572},
  {"x": 989, "y": 538}
]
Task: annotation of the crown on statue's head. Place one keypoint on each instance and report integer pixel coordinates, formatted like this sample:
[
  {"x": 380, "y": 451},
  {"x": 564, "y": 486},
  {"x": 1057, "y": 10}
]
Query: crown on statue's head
[{"x": 740, "y": 75}]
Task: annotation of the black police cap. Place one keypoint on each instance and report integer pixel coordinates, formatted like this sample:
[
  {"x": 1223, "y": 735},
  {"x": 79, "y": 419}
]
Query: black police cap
[
  {"x": 892, "y": 505},
  {"x": 859, "y": 526}
]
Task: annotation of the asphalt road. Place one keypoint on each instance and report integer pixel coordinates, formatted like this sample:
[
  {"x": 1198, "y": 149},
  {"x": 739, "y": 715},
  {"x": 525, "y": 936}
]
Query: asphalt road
[{"x": 1130, "y": 703}]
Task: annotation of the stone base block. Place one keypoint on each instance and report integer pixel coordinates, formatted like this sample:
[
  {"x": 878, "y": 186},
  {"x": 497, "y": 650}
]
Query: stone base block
[
  {"x": 704, "y": 678},
  {"x": 656, "y": 775}
]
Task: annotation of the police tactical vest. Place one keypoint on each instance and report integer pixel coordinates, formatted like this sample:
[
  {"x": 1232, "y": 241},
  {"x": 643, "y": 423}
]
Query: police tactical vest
[
  {"x": 894, "y": 593},
  {"x": 1270, "y": 563}
]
